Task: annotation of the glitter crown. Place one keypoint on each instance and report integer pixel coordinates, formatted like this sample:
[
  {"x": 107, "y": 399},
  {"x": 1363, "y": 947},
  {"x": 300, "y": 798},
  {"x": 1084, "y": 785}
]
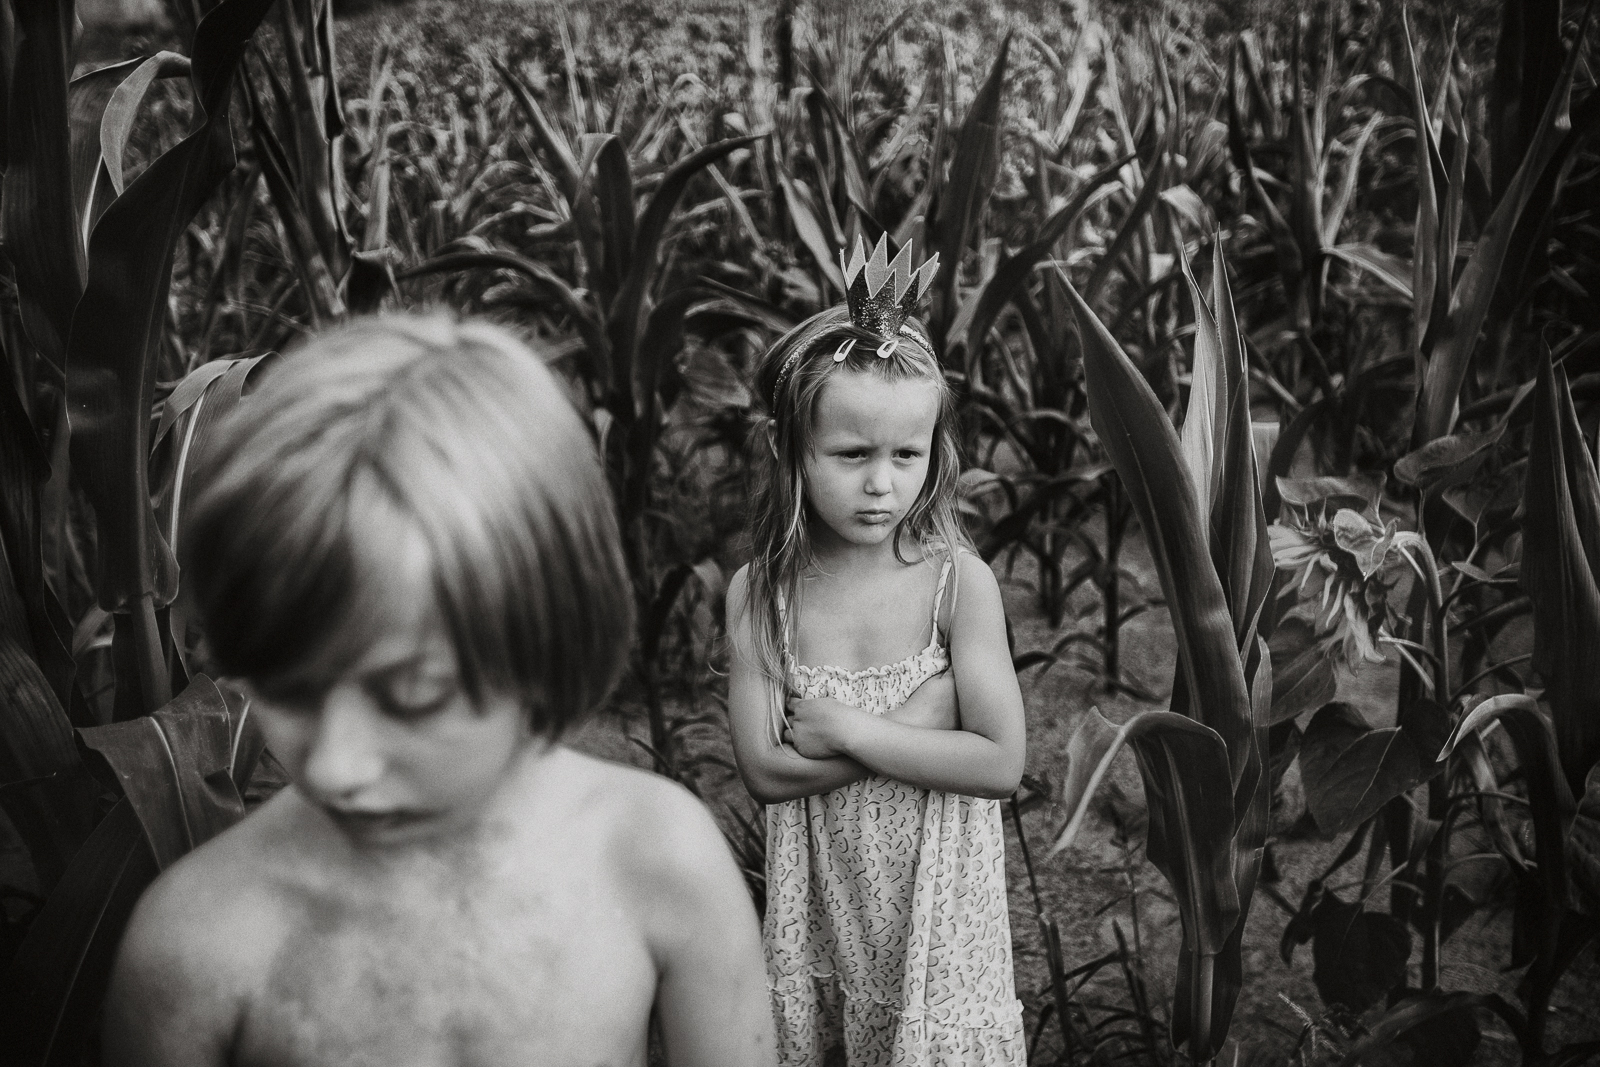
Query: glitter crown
[{"x": 880, "y": 293}]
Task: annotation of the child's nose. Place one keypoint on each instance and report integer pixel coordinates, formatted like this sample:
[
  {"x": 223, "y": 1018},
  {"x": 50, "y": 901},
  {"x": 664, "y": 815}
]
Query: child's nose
[
  {"x": 879, "y": 479},
  {"x": 345, "y": 755}
]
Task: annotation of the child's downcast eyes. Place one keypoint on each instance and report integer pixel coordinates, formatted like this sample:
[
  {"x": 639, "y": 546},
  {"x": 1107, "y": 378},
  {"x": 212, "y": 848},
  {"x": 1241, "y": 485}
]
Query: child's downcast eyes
[{"x": 405, "y": 693}]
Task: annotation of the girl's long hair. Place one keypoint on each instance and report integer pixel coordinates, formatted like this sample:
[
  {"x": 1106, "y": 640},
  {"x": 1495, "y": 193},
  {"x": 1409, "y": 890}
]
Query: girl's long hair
[{"x": 780, "y": 541}]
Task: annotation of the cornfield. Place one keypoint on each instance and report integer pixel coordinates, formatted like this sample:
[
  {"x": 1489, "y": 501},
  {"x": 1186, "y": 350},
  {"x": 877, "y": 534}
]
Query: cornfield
[{"x": 1281, "y": 325}]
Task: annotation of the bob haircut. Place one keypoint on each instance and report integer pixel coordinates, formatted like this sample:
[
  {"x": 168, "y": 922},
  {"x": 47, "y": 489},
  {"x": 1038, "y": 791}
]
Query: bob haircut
[
  {"x": 456, "y": 428},
  {"x": 780, "y": 542}
]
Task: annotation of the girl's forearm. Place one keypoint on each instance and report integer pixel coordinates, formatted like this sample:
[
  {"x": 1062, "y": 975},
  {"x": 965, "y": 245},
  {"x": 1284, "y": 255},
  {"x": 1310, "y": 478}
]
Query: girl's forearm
[
  {"x": 952, "y": 761},
  {"x": 787, "y": 775}
]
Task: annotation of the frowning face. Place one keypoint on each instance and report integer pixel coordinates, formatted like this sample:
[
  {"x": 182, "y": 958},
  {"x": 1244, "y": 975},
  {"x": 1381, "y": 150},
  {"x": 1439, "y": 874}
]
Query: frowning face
[{"x": 871, "y": 445}]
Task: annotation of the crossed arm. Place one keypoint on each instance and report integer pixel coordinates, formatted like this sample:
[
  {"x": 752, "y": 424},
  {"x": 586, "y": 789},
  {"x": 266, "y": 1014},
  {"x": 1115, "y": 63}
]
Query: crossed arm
[{"x": 834, "y": 744}]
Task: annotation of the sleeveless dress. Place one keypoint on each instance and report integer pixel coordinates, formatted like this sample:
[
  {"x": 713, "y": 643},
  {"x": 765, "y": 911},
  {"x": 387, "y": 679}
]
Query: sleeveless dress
[{"x": 887, "y": 935}]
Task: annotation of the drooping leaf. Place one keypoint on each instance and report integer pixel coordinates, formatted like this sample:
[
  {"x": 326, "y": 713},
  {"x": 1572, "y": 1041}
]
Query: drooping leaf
[
  {"x": 176, "y": 768},
  {"x": 1542, "y": 897},
  {"x": 1191, "y": 810},
  {"x": 1351, "y": 769}
]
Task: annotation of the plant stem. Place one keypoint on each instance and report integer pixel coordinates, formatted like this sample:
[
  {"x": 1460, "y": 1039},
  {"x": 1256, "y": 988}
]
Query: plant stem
[{"x": 155, "y": 686}]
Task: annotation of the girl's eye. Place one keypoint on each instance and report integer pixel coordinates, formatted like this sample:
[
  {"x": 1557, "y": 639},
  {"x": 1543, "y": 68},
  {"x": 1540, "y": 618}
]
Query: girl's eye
[{"x": 414, "y": 696}]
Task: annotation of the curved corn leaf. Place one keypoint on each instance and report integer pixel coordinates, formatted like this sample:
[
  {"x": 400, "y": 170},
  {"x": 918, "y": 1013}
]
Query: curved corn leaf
[
  {"x": 1014, "y": 270},
  {"x": 116, "y": 333},
  {"x": 1389, "y": 269},
  {"x": 974, "y": 167},
  {"x": 56, "y": 981},
  {"x": 103, "y": 106},
  {"x": 1551, "y": 805},
  {"x": 474, "y": 253},
  {"x": 176, "y": 767},
  {"x": 803, "y": 216},
  {"x": 1560, "y": 568},
  {"x": 1136, "y": 434},
  {"x": 36, "y": 211},
  {"x": 623, "y": 321}
]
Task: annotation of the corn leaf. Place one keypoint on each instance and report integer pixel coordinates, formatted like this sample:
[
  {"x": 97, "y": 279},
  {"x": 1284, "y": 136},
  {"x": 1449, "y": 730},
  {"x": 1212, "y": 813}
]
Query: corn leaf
[
  {"x": 117, "y": 333},
  {"x": 1560, "y": 565},
  {"x": 1389, "y": 269},
  {"x": 974, "y": 167},
  {"x": 1425, "y": 265},
  {"x": 56, "y": 981},
  {"x": 606, "y": 173},
  {"x": 176, "y": 768},
  {"x": 803, "y": 216},
  {"x": 1013, "y": 272},
  {"x": 1438, "y": 399},
  {"x": 1134, "y": 430},
  {"x": 474, "y": 253},
  {"x": 1551, "y": 804},
  {"x": 623, "y": 322},
  {"x": 36, "y": 212}
]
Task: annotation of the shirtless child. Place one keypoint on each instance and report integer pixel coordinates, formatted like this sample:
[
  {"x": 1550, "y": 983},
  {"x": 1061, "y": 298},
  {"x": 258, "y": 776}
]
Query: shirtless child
[{"x": 405, "y": 551}]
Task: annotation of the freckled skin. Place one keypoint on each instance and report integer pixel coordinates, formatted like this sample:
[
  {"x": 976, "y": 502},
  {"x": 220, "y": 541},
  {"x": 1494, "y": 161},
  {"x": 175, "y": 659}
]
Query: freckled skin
[
  {"x": 438, "y": 888},
  {"x": 542, "y": 943}
]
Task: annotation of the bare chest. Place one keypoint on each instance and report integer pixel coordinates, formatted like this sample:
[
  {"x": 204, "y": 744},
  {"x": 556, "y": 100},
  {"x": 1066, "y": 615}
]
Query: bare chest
[
  {"x": 523, "y": 975},
  {"x": 859, "y": 624}
]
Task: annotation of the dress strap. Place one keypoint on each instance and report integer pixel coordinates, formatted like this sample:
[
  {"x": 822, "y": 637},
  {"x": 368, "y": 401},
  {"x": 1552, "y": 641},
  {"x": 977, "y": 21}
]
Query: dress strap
[{"x": 938, "y": 598}]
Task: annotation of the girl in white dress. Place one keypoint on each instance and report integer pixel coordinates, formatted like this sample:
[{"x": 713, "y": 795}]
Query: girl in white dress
[{"x": 873, "y": 703}]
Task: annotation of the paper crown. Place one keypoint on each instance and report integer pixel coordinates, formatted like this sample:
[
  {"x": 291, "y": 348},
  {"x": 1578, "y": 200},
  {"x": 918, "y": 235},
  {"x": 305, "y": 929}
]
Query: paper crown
[{"x": 880, "y": 293}]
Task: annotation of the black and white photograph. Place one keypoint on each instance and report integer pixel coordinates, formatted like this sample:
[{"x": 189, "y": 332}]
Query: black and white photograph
[{"x": 804, "y": 533}]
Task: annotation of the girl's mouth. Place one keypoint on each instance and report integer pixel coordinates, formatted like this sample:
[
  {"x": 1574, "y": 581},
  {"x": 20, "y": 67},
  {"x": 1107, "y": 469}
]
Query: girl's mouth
[{"x": 875, "y": 515}]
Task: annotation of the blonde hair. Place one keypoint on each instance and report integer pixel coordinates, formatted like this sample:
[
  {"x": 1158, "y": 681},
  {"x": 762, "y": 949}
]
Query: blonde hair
[
  {"x": 457, "y": 427},
  {"x": 780, "y": 545}
]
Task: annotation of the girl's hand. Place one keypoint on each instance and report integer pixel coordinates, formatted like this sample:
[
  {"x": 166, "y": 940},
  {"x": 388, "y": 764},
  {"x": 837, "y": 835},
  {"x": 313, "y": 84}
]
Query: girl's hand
[
  {"x": 933, "y": 706},
  {"x": 817, "y": 726}
]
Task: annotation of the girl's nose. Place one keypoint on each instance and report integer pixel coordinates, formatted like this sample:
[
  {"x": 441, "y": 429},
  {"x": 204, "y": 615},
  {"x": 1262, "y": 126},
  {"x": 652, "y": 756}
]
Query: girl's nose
[
  {"x": 879, "y": 482},
  {"x": 345, "y": 755}
]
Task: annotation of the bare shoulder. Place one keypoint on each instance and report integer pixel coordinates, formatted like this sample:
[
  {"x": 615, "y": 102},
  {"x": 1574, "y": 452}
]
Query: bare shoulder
[
  {"x": 653, "y": 821},
  {"x": 976, "y": 593},
  {"x": 199, "y": 940},
  {"x": 660, "y": 840}
]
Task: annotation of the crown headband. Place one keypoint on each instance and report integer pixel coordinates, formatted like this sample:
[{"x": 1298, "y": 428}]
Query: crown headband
[{"x": 880, "y": 295}]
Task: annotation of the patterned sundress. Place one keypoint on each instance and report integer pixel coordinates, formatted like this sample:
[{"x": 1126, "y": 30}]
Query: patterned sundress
[{"x": 887, "y": 936}]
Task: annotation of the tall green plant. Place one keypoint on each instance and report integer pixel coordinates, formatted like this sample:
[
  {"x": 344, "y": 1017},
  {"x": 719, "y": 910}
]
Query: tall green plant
[
  {"x": 1203, "y": 762},
  {"x": 91, "y": 255}
]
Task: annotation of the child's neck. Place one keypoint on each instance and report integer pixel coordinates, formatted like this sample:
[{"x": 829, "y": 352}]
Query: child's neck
[{"x": 836, "y": 556}]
